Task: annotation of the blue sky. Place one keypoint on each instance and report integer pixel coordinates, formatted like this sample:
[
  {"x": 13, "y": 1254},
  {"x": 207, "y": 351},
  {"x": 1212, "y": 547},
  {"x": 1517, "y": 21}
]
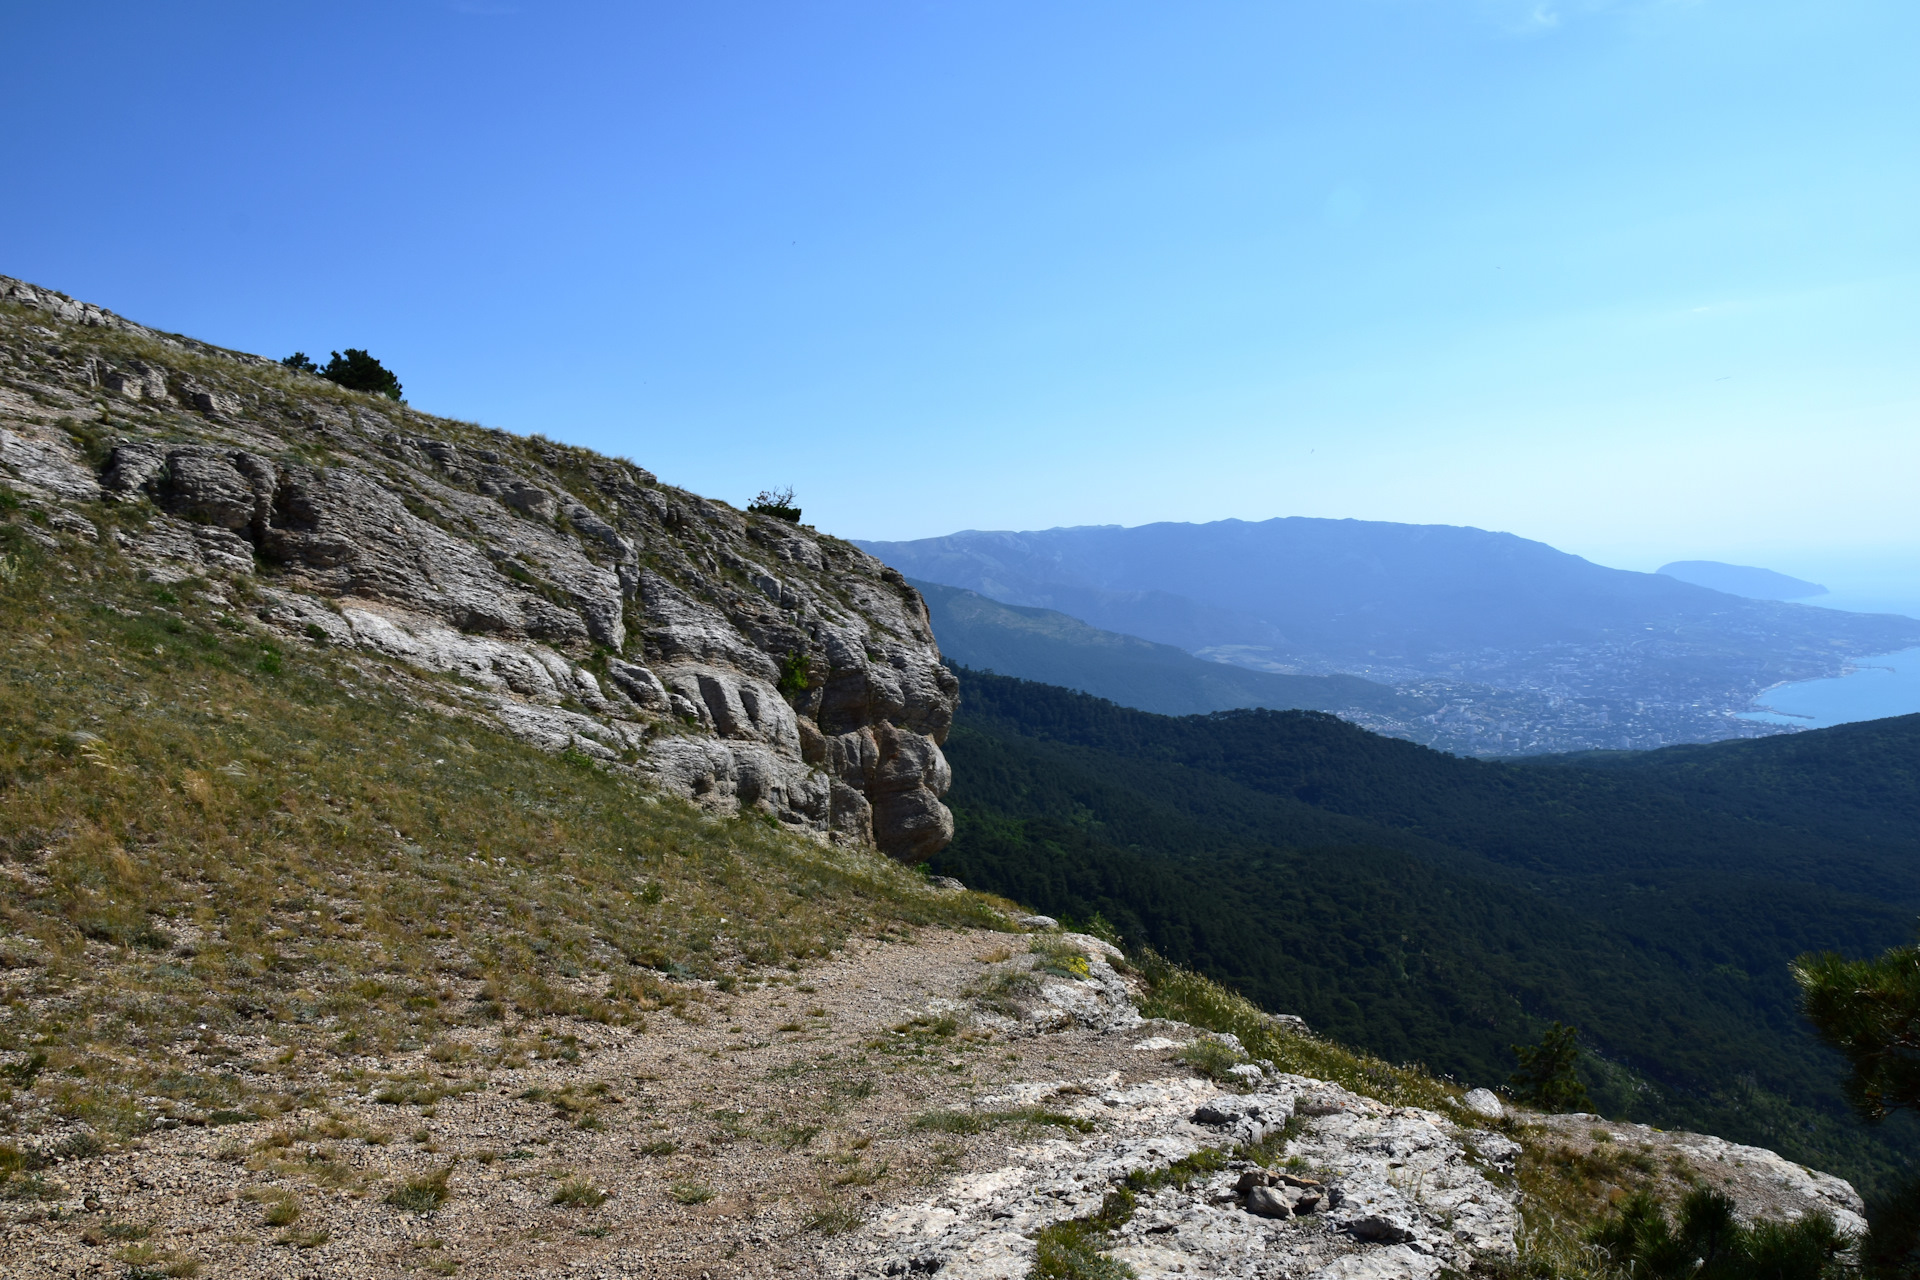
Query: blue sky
[{"x": 1634, "y": 278}]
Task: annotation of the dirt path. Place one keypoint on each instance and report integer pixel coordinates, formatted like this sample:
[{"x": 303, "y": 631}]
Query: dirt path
[
  {"x": 736, "y": 1141},
  {"x": 909, "y": 1107}
]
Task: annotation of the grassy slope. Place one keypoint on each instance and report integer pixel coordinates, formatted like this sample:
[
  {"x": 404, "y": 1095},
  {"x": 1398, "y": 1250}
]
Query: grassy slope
[
  {"x": 197, "y": 828},
  {"x": 1472, "y": 904}
]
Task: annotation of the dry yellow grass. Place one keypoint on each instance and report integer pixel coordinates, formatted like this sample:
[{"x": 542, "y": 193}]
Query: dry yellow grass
[{"x": 206, "y": 835}]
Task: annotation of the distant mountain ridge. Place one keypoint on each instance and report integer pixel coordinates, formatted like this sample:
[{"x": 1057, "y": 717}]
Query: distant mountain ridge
[
  {"x": 1607, "y": 658},
  {"x": 1742, "y": 580},
  {"x": 1050, "y": 647}
]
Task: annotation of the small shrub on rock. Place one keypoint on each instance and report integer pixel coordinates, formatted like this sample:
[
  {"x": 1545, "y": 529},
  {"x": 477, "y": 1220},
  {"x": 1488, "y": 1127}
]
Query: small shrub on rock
[
  {"x": 796, "y": 671},
  {"x": 1709, "y": 1243},
  {"x": 776, "y": 502},
  {"x": 1061, "y": 958},
  {"x": 358, "y": 371}
]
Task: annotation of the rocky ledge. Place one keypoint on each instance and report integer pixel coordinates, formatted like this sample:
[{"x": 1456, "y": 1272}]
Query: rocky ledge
[
  {"x": 742, "y": 660},
  {"x": 1278, "y": 1175},
  {"x": 1366, "y": 1191},
  {"x": 1270, "y": 1175}
]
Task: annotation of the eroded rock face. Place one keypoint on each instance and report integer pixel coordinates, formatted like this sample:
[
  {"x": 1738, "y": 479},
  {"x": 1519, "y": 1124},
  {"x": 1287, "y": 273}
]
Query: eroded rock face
[{"x": 740, "y": 660}]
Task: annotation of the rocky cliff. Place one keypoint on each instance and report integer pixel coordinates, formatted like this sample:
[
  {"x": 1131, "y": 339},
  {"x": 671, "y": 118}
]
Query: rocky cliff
[{"x": 741, "y": 660}]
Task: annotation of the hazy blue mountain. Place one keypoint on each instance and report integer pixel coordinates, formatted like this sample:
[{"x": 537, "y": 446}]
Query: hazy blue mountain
[
  {"x": 1050, "y": 647},
  {"x": 1742, "y": 580},
  {"x": 1356, "y": 594},
  {"x": 1605, "y": 658}
]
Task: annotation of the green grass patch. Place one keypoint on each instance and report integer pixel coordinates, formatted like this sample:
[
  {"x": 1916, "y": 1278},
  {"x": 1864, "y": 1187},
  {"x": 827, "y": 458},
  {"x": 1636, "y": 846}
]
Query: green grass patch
[
  {"x": 423, "y": 1194},
  {"x": 303, "y": 1239},
  {"x": 1180, "y": 994},
  {"x": 1214, "y": 1059},
  {"x": 1180, "y": 1173},
  {"x": 150, "y": 1262},
  {"x": 114, "y": 1230},
  {"x": 578, "y": 1193},
  {"x": 1076, "y": 1249},
  {"x": 834, "y": 1219},
  {"x": 1060, "y": 958},
  {"x": 282, "y": 1212},
  {"x": 982, "y": 1121}
]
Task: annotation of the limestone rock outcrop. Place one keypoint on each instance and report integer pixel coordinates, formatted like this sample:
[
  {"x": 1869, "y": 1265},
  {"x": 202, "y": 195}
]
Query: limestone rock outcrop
[
  {"x": 1345, "y": 1186},
  {"x": 740, "y": 660}
]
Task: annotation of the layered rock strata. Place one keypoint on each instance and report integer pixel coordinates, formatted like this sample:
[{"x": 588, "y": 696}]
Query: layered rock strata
[{"x": 740, "y": 660}]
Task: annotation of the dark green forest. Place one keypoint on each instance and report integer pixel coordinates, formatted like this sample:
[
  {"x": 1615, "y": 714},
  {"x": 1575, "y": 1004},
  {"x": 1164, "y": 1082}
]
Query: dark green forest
[{"x": 1434, "y": 909}]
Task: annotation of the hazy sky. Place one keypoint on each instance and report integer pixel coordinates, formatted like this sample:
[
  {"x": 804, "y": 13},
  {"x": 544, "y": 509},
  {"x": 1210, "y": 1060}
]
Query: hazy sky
[{"x": 1637, "y": 278}]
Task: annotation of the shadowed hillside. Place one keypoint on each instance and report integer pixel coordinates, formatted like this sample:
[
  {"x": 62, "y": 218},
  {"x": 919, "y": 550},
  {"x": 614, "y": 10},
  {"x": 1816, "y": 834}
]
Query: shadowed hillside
[
  {"x": 1049, "y": 647},
  {"x": 1440, "y": 909}
]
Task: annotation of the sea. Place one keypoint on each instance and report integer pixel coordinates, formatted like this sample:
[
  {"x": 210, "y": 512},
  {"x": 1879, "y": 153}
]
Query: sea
[{"x": 1888, "y": 685}]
